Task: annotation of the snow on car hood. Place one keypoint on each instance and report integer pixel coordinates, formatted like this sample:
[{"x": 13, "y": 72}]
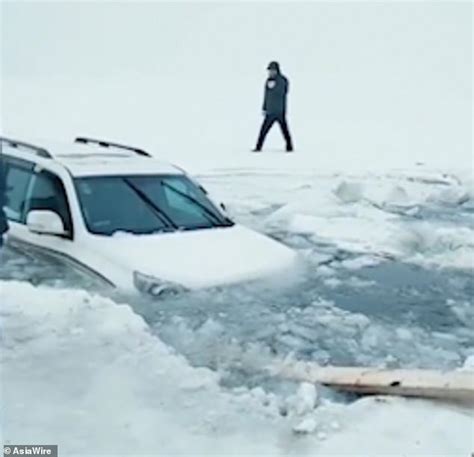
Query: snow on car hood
[{"x": 200, "y": 258}]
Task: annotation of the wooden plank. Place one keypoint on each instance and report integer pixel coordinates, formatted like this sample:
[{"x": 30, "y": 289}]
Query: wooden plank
[{"x": 449, "y": 385}]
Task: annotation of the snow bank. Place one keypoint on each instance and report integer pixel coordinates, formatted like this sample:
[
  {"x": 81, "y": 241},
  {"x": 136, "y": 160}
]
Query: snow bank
[
  {"x": 84, "y": 372},
  {"x": 418, "y": 216},
  {"x": 419, "y": 429}
]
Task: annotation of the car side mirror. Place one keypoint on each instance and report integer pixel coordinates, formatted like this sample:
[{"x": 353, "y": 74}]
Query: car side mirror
[{"x": 45, "y": 222}]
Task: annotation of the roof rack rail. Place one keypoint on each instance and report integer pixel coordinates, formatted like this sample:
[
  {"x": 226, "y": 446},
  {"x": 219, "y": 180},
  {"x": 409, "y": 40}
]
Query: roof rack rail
[
  {"x": 109, "y": 144},
  {"x": 42, "y": 152}
]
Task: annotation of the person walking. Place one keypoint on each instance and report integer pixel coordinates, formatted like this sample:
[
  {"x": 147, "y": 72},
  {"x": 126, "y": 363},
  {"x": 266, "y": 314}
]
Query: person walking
[
  {"x": 274, "y": 106},
  {"x": 3, "y": 217}
]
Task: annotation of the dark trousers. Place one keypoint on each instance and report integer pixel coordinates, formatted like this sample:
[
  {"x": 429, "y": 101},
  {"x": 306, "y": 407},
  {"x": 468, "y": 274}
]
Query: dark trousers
[{"x": 268, "y": 122}]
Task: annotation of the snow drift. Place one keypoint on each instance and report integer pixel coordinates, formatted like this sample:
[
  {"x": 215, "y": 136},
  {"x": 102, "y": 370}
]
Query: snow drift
[{"x": 117, "y": 389}]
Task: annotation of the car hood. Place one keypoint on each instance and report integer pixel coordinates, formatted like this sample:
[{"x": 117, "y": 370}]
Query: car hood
[{"x": 199, "y": 258}]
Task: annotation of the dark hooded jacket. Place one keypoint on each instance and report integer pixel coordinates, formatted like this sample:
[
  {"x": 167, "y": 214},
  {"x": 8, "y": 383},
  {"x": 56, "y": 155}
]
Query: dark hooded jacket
[
  {"x": 3, "y": 218},
  {"x": 276, "y": 90}
]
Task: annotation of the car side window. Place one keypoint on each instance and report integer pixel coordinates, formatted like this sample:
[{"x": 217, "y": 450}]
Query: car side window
[
  {"x": 48, "y": 193},
  {"x": 18, "y": 175}
]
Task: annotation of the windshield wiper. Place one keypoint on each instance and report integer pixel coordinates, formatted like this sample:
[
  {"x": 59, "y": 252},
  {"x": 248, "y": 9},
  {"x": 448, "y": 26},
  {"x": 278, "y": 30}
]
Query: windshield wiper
[
  {"x": 212, "y": 218},
  {"x": 156, "y": 209}
]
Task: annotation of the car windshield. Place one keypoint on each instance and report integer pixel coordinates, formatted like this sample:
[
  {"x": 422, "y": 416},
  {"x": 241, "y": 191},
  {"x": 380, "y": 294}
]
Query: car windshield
[{"x": 145, "y": 204}]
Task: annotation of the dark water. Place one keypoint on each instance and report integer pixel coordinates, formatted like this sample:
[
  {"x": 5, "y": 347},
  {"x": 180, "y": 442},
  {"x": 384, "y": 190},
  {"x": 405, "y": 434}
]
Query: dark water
[
  {"x": 408, "y": 294},
  {"x": 387, "y": 314}
]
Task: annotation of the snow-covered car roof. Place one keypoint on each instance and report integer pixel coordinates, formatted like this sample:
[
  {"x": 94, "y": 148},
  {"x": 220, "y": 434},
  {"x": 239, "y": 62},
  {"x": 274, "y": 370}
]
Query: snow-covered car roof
[
  {"x": 101, "y": 164},
  {"x": 84, "y": 159}
]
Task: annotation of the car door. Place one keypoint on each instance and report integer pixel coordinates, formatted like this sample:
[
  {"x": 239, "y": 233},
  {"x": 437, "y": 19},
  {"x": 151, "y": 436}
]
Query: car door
[
  {"x": 18, "y": 177},
  {"x": 46, "y": 192}
]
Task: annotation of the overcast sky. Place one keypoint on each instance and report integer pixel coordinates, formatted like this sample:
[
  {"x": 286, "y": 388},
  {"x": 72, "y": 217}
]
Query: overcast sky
[{"x": 392, "y": 77}]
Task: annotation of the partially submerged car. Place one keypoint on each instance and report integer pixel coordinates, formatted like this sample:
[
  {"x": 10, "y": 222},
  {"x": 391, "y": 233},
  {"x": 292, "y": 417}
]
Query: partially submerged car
[{"x": 128, "y": 219}]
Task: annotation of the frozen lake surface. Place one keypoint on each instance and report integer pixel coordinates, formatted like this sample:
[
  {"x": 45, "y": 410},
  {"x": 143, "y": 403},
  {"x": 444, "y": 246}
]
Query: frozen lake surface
[
  {"x": 378, "y": 200},
  {"x": 385, "y": 280}
]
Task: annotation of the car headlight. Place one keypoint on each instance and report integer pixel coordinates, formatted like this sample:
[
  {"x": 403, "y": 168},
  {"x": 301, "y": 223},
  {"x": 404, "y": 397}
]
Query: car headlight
[{"x": 154, "y": 286}]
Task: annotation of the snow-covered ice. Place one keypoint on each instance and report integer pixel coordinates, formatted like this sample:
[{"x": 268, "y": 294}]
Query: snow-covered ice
[
  {"x": 86, "y": 373},
  {"x": 378, "y": 201},
  {"x": 184, "y": 377},
  {"x": 118, "y": 376}
]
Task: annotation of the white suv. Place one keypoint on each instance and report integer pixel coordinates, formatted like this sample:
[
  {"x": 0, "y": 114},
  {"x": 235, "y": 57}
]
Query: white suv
[{"x": 128, "y": 219}]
